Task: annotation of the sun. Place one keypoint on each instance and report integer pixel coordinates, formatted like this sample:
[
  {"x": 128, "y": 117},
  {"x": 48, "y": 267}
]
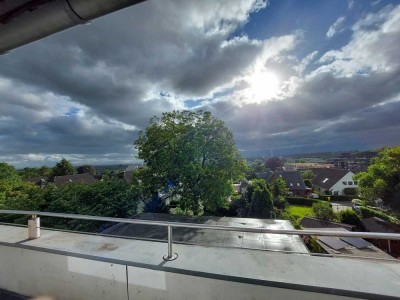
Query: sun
[{"x": 263, "y": 86}]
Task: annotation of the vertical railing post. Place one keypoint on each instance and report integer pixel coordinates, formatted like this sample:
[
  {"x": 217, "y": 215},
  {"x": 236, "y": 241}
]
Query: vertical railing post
[
  {"x": 389, "y": 247},
  {"x": 170, "y": 255},
  {"x": 34, "y": 228}
]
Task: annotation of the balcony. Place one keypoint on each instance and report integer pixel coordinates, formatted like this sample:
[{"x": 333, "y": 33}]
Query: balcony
[{"x": 70, "y": 265}]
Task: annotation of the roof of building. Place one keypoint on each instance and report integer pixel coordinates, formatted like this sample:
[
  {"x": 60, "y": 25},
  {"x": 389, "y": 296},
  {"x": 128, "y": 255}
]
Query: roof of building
[
  {"x": 353, "y": 247},
  {"x": 210, "y": 237},
  {"x": 375, "y": 224},
  {"x": 75, "y": 178},
  {"x": 308, "y": 222},
  {"x": 326, "y": 178},
  {"x": 293, "y": 179}
]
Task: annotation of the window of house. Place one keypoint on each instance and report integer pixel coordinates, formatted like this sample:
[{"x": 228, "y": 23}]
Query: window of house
[
  {"x": 350, "y": 182},
  {"x": 298, "y": 184},
  {"x": 344, "y": 182},
  {"x": 335, "y": 193},
  {"x": 355, "y": 182},
  {"x": 291, "y": 184}
]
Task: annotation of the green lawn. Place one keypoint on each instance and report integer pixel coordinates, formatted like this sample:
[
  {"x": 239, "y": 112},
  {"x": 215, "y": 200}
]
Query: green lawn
[{"x": 299, "y": 210}]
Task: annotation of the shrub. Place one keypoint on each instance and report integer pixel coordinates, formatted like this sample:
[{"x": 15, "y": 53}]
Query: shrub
[
  {"x": 350, "y": 217},
  {"x": 336, "y": 198},
  {"x": 323, "y": 211},
  {"x": 350, "y": 191},
  {"x": 302, "y": 201}
]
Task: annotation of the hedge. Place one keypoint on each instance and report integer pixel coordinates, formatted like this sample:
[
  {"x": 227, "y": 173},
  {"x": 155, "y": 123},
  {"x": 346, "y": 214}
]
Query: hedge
[
  {"x": 342, "y": 198},
  {"x": 322, "y": 196},
  {"x": 369, "y": 213},
  {"x": 302, "y": 201}
]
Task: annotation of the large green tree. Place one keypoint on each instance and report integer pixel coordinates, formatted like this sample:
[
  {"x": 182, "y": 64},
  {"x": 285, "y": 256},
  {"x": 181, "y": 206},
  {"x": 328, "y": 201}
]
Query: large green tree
[
  {"x": 279, "y": 191},
  {"x": 382, "y": 179},
  {"x": 63, "y": 167},
  {"x": 261, "y": 205},
  {"x": 8, "y": 173},
  {"x": 196, "y": 152}
]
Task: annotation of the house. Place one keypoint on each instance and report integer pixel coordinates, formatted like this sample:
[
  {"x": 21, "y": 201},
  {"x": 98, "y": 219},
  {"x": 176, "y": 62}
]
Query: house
[
  {"x": 333, "y": 181},
  {"x": 75, "y": 178},
  {"x": 308, "y": 222},
  {"x": 378, "y": 225},
  {"x": 349, "y": 161},
  {"x": 241, "y": 187},
  {"x": 293, "y": 181}
]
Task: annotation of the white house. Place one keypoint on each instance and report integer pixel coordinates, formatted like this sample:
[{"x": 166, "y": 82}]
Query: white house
[{"x": 333, "y": 180}]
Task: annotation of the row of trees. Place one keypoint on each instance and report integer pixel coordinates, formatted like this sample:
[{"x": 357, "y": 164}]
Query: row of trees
[
  {"x": 111, "y": 197},
  {"x": 63, "y": 167}
]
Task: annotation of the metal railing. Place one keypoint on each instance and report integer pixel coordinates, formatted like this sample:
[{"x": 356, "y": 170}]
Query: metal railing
[{"x": 170, "y": 225}]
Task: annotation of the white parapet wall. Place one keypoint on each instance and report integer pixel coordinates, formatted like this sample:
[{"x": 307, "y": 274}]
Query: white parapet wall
[
  {"x": 72, "y": 266},
  {"x": 35, "y": 273}
]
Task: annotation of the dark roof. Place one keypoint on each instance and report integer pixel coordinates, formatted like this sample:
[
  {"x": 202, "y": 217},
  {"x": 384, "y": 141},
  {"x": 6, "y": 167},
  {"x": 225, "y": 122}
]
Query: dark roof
[
  {"x": 75, "y": 178},
  {"x": 326, "y": 178},
  {"x": 209, "y": 237},
  {"x": 293, "y": 179},
  {"x": 375, "y": 224},
  {"x": 341, "y": 247},
  {"x": 308, "y": 222}
]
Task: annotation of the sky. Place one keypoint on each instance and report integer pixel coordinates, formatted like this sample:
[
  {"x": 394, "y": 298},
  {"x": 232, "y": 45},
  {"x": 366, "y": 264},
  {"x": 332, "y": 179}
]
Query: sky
[{"x": 285, "y": 76}]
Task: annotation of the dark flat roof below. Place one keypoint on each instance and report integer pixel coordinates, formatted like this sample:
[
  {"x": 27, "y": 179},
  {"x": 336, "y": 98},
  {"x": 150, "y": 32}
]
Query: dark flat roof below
[{"x": 210, "y": 237}]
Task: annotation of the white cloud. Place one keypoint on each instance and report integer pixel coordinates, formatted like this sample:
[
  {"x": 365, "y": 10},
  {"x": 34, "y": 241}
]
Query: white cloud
[
  {"x": 335, "y": 27},
  {"x": 373, "y": 47}
]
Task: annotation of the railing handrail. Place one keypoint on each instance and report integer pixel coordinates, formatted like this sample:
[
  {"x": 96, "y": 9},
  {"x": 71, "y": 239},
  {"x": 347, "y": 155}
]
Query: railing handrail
[{"x": 367, "y": 235}]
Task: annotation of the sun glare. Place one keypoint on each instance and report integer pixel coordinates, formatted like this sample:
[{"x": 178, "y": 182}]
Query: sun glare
[{"x": 263, "y": 86}]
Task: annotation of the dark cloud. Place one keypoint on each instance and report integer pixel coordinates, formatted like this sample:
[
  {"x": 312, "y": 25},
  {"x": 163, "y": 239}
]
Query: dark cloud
[{"x": 86, "y": 92}]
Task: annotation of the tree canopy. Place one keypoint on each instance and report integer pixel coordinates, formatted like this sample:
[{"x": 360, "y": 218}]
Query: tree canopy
[
  {"x": 323, "y": 211},
  {"x": 86, "y": 169},
  {"x": 382, "y": 179},
  {"x": 195, "y": 154},
  {"x": 308, "y": 174},
  {"x": 279, "y": 191},
  {"x": 8, "y": 173},
  {"x": 260, "y": 197},
  {"x": 63, "y": 167},
  {"x": 35, "y": 172}
]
